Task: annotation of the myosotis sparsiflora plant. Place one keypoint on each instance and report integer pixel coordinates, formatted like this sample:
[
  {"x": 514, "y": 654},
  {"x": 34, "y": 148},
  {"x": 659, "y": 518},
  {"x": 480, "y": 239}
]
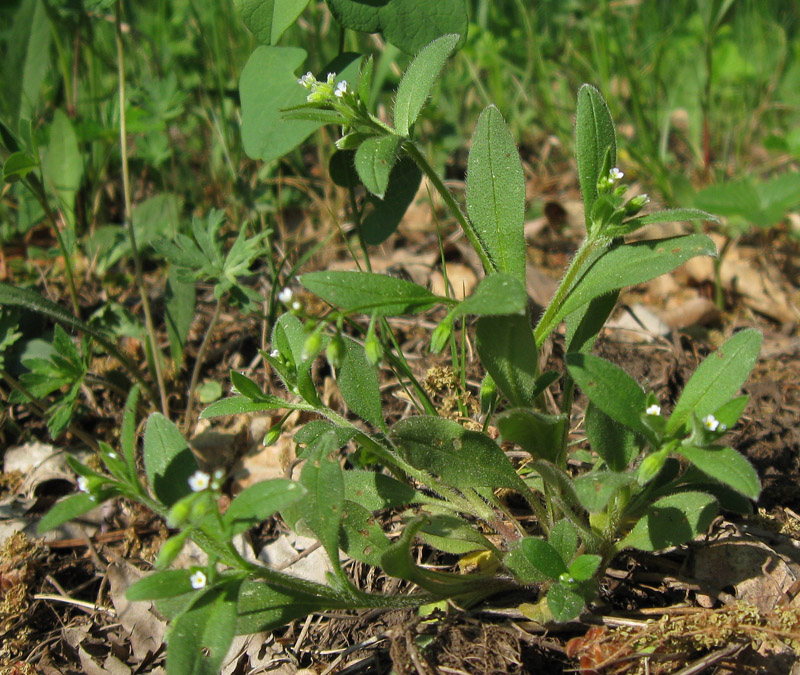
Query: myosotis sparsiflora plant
[{"x": 655, "y": 480}]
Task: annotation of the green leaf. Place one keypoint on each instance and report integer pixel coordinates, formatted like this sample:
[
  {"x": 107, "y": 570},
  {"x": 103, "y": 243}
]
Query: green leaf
[
  {"x": 67, "y": 509},
  {"x": 17, "y": 166},
  {"x": 267, "y": 19},
  {"x": 717, "y": 379},
  {"x": 26, "y": 60},
  {"x": 564, "y": 604},
  {"x": 382, "y": 221},
  {"x": 537, "y": 433},
  {"x": 630, "y": 264},
  {"x": 407, "y": 24},
  {"x": 374, "y": 160},
  {"x": 263, "y": 607},
  {"x": 168, "y": 460},
  {"x": 594, "y": 137},
  {"x": 508, "y": 351},
  {"x": 496, "y": 193},
  {"x": 358, "y": 384},
  {"x": 237, "y": 405},
  {"x": 611, "y": 389},
  {"x": 584, "y": 567},
  {"x": 596, "y": 489},
  {"x": 260, "y": 501},
  {"x": 727, "y": 466},
  {"x": 452, "y": 534},
  {"x": 179, "y": 303},
  {"x": 361, "y": 537},
  {"x": 247, "y": 387},
  {"x": 164, "y": 584},
  {"x": 461, "y": 458},
  {"x": 544, "y": 557},
  {"x": 585, "y": 323},
  {"x": 128, "y": 431},
  {"x": 672, "y": 521},
  {"x": 200, "y": 638},
  {"x": 564, "y": 539},
  {"x": 375, "y": 491},
  {"x": 673, "y": 215},
  {"x": 418, "y": 80},
  {"x": 615, "y": 443},
  {"x": 62, "y": 165},
  {"x": 496, "y": 295},
  {"x": 366, "y": 292}
]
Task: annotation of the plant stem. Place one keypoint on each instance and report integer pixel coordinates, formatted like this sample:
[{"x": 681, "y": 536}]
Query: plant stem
[
  {"x": 198, "y": 364},
  {"x": 126, "y": 189},
  {"x": 469, "y": 231}
]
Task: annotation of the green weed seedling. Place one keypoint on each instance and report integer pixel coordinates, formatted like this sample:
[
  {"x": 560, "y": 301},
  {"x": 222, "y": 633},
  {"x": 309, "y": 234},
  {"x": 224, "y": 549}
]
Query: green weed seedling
[{"x": 657, "y": 479}]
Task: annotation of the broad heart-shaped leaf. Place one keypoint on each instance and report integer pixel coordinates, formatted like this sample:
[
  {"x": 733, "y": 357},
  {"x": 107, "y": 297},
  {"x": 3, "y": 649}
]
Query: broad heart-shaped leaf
[
  {"x": 508, "y": 351},
  {"x": 496, "y": 193},
  {"x": 268, "y": 19},
  {"x": 717, "y": 379},
  {"x": 200, "y": 637},
  {"x": 611, "y": 389},
  {"x": 375, "y": 158},
  {"x": 407, "y": 24},
  {"x": 358, "y": 384},
  {"x": 537, "y": 433},
  {"x": 62, "y": 165},
  {"x": 382, "y": 221},
  {"x": 461, "y": 458},
  {"x": 594, "y": 137},
  {"x": 263, "y": 607},
  {"x": 369, "y": 293},
  {"x": 418, "y": 80},
  {"x": 630, "y": 264},
  {"x": 564, "y": 539},
  {"x": 496, "y": 295},
  {"x": 672, "y": 521},
  {"x": 596, "y": 489},
  {"x": 168, "y": 461},
  {"x": 544, "y": 557},
  {"x": 727, "y": 466},
  {"x": 564, "y": 603},
  {"x": 258, "y": 502},
  {"x": 615, "y": 443}
]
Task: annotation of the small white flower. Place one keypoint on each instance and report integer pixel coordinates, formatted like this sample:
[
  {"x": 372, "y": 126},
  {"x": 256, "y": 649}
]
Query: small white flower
[
  {"x": 341, "y": 89},
  {"x": 615, "y": 175},
  {"x": 198, "y": 580},
  {"x": 710, "y": 422},
  {"x": 654, "y": 410},
  {"x": 218, "y": 474},
  {"x": 199, "y": 481},
  {"x": 331, "y": 78},
  {"x": 112, "y": 455},
  {"x": 297, "y": 306},
  {"x": 285, "y": 296},
  {"x": 275, "y": 354},
  {"x": 307, "y": 80},
  {"x": 83, "y": 484}
]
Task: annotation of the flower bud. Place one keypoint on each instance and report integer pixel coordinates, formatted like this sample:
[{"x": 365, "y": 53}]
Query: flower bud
[
  {"x": 335, "y": 352},
  {"x": 273, "y": 434},
  {"x": 180, "y": 512},
  {"x": 651, "y": 466},
  {"x": 636, "y": 204},
  {"x": 170, "y": 550},
  {"x": 311, "y": 346}
]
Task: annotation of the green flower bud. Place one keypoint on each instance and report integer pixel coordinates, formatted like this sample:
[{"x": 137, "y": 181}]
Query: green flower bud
[
  {"x": 651, "y": 466},
  {"x": 636, "y": 204},
  {"x": 181, "y": 510},
  {"x": 311, "y": 346},
  {"x": 200, "y": 509},
  {"x": 273, "y": 434},
  {"x": 373, "y": 348},
  {"x": 335, "y": 352},
  {"x": 170, "y": 550}
]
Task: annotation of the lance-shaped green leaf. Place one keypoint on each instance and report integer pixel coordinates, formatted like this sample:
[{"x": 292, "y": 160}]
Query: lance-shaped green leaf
[
  {"x": 407, "y": 24},
  {"x": 672, "y": 521},
  {"x": 461, "y": 458},
  {"x": 238, "y": 405},
  {"x": 452, "y": 534},
  {"x": 727, "y": 466},
  {"x": 508, "y": 351},
  {"x": 62, "y": 165},
  {"x": 268, "y": 19},
  {"x": 594, "y": 138},
  {"x": 263, "y": 607},
  {"x": 386, "y": 214},
  {"x": 258, "y": 502},
  {"x": 717, "y": 379},
  {"x": 369, "y": 293},
  {"x": 418, "y": 80},
  {"x": 128, "y": 430},
  {"x": 358, "y": 384},
  {"x": 164, "y": 584},
  {"x": 630, "y": 264},
  {"x": 496, "y": 193},
  {"x": 375, "y": 491},
  {"x": 168, "y": 460},
  {"x": 667, "y": 216},
  {"x": 360, "y": 536},
  {"x": 596, "y": 489},
  {"x": 67, "y": 509},
  {"x": 615, "y": 443},
  {"x": 374, "y": 160},
  {"x": 611, "y": 389},
  {"x": 200, "y": 637},
  {"x": 496, "y": 295},
  {"x": 537, "y": 433}
]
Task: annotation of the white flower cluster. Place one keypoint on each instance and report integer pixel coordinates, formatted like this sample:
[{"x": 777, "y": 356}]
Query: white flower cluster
[
  {"x": 321, "y": 92},
  {"x": 713, "y": 424},
  {"x": 607, "y": 182}
]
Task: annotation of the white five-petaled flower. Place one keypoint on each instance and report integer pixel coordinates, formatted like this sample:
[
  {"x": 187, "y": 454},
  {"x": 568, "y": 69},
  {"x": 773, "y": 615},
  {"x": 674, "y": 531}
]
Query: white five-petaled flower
[
  {"x": 83, "y": 484},
  {"x": 654, "y": 410},
  {"x": 307, "y": 80},
  {"x": 297, "y": 306},
  {"x": 285, "y": 296},
  {"x": 274, "y": 353},
  {"x": 198, "y": 580},
  {"x": 341, "y": 89},
  {"x": 615, "y": 174},
  {"x": 199, "y": 481},
  {"x": 710, "y": 422}
]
